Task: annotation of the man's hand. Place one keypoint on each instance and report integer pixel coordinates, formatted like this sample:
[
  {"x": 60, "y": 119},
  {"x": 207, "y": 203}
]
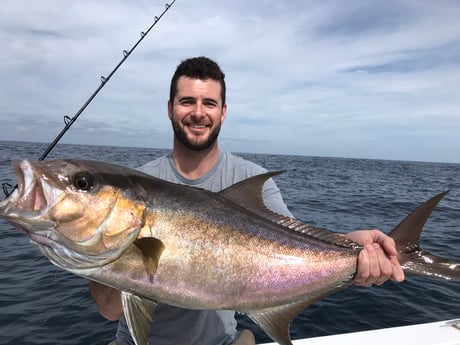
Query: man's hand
[
  {"x": 108, "y": 300},
  {"x": 378, "y": 261}
]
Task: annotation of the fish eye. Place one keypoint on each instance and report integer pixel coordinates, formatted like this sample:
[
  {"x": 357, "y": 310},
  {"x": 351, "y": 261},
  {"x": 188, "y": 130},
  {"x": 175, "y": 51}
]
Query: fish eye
[{"x": 83, "y": 181}]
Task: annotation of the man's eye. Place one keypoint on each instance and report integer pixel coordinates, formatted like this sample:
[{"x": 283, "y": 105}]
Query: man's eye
[{"x": 186, "y": 102}]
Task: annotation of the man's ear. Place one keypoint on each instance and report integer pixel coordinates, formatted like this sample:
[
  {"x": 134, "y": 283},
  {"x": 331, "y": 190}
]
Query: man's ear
[
  {"x": 223, "y": 116},
  {"x": 170, "y": 110}
]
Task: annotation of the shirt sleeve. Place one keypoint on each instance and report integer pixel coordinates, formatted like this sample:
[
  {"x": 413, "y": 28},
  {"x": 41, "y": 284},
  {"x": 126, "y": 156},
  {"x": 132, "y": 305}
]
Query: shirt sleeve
[{"x": 273, "y": 199}]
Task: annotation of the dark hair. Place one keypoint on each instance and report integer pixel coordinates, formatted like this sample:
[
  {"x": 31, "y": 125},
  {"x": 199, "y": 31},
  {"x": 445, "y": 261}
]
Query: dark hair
[{"x": 201, "y": 68}]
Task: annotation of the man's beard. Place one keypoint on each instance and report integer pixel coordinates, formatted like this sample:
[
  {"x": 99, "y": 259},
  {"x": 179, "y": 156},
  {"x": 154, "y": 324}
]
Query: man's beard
[{"x": 182, "y": 136}]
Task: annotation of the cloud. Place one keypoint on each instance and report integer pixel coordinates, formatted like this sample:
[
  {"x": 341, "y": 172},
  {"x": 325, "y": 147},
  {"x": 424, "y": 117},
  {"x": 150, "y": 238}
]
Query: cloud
[{"x": 370, "y": 79}]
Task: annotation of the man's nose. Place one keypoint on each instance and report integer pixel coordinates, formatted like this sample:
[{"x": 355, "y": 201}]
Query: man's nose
[{"x": 198, "y": 110}]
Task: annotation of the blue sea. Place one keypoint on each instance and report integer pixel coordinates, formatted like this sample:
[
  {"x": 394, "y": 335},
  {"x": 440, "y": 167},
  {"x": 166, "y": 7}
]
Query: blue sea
[{"x": 42, "y": 304}]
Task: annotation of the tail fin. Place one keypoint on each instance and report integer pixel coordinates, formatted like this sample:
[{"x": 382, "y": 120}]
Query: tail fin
[{"x": 415, "y": 260}]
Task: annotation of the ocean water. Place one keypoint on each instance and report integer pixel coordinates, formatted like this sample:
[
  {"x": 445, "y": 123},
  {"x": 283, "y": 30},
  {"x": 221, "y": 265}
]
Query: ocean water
[{"x": 42, "y": 304}]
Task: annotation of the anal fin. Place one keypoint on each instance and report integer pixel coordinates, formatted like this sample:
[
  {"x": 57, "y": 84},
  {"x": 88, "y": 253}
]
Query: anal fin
[{"x": 276, "y": 321}]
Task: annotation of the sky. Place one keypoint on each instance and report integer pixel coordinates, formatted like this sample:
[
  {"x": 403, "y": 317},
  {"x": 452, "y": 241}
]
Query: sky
[{"x": 362, "y": 79}]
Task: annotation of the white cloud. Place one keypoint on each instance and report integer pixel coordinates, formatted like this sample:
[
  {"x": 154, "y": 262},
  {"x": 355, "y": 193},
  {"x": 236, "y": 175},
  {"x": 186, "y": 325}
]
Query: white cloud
[{"x": 372, "y": 79}]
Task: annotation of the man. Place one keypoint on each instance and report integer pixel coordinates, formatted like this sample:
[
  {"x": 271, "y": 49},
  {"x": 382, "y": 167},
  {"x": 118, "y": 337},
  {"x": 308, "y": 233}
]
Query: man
[{"x": 197, "y": 108}]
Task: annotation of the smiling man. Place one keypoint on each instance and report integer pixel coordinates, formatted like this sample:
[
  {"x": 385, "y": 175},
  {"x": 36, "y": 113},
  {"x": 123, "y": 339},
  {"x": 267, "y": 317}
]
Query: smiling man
[
  {"x": 196, "y": 113},
  {"x": 197, "y": 108}
]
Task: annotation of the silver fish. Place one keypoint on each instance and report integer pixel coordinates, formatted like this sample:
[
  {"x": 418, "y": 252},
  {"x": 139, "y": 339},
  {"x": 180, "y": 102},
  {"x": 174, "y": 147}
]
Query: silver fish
[{"x": 161, "y": 242}]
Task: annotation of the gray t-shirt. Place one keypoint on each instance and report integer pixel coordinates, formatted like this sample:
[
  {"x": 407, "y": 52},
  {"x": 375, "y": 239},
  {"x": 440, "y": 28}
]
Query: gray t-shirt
[{"x": 174, "y": 325}]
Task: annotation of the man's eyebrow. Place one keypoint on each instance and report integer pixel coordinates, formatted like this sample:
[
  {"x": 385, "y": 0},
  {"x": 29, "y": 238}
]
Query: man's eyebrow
[
  {"x": 211, "y": 100},
  {"x": 186, "y": 98}
]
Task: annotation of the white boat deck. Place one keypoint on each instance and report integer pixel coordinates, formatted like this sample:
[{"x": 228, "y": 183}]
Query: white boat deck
[{"x": 434, "y": 333}]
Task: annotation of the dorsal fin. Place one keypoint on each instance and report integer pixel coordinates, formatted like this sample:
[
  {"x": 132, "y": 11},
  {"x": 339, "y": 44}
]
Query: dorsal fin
[
  {"x": 248, "y": 194},
  {"x": 317, "y": 233}
]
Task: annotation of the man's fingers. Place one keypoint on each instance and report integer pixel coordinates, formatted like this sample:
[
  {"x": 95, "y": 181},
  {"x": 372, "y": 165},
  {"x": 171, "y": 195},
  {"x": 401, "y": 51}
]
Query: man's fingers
[
  {"x": 398, "y": 272},
  {"x": 362, "y": 273},
  {"x": 384, "y": 266},
  {"x": 374, "y": 267}
]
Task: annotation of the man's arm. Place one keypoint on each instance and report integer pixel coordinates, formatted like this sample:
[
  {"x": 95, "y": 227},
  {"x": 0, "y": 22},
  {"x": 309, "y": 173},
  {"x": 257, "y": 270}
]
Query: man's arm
[{"x": 108, "y": 300}]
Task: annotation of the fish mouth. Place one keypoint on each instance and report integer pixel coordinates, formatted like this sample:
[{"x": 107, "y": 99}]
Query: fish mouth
[
  {"x": 30, "y": 192},
  {"x": 28, "y": 203}
]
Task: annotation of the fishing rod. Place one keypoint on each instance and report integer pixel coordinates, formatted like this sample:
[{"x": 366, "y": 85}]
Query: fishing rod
[{"x": 69, "y": 121}]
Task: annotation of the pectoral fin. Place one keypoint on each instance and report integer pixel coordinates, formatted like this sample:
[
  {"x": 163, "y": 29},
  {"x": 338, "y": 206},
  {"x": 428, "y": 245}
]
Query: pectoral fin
[
  {"x": 151, "y": 249},
  {"x": 139, "y": 314}
]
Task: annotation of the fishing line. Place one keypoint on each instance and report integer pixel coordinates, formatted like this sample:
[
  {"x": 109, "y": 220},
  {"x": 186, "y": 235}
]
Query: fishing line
[{"x": 69, "y": 121}]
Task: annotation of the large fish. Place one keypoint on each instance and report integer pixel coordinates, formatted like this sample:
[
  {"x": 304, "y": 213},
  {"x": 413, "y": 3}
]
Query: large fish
[{"x": 161, "y": 242}]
